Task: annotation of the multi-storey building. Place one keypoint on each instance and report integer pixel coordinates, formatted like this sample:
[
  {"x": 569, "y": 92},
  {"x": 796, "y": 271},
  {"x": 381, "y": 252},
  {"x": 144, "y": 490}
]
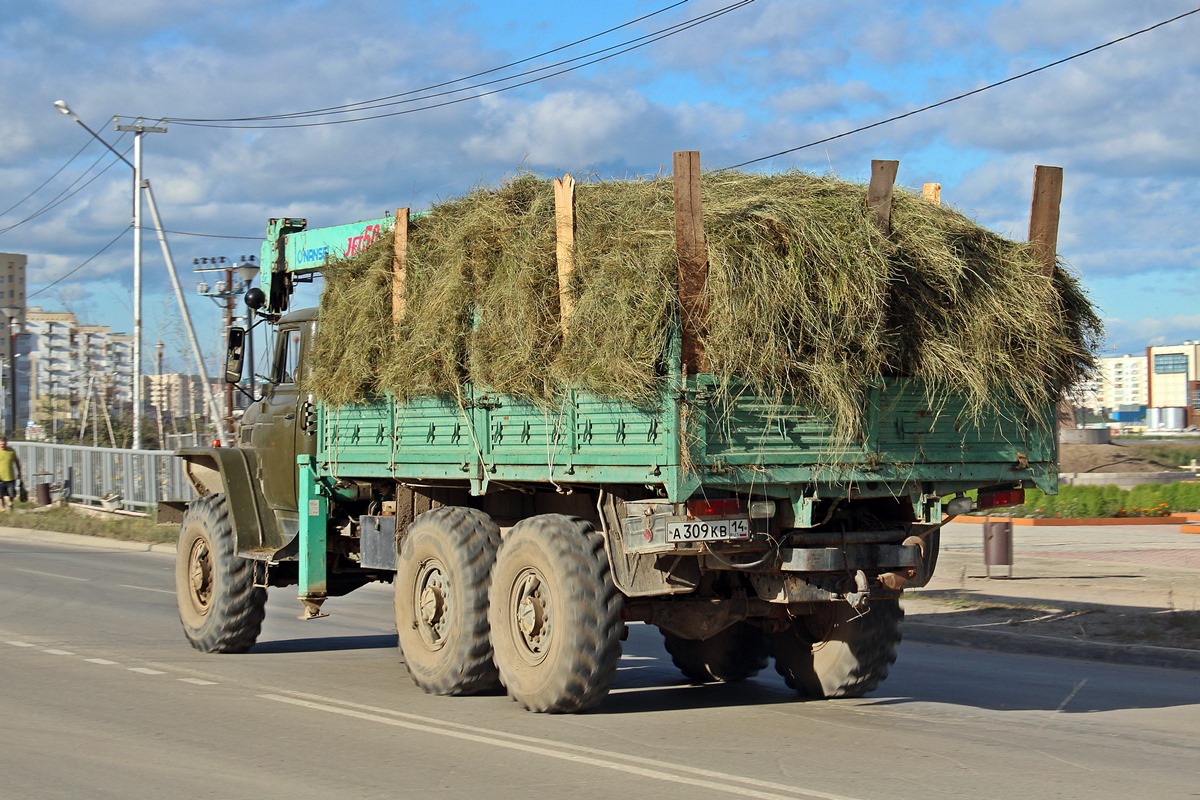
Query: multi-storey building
[
  {"x": 12, "y": 297},
  {"x": 1171, "y": 369},
  {"x": 1121, "y": 383},
  {"x": 177, "y": 396},
  {"x": 75, "y": 367}
]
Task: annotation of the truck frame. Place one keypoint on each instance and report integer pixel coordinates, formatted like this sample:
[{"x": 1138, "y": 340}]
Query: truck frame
[{"x": 521, "y": 539}]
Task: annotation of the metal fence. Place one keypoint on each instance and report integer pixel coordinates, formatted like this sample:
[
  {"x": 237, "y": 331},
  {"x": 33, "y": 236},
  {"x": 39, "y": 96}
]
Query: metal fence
[{"x": 129, "y": 479}]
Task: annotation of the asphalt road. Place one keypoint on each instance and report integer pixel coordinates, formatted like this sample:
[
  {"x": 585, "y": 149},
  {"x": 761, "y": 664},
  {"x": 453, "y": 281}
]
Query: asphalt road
[{"x": 101, "y": 697}]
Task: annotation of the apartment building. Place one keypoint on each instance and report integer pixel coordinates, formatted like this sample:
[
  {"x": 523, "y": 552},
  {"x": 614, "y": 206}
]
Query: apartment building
[
  {"x": 177, "y": 396},
  {"x": 12, "y": 295},
  {"x": 72, "y": 366},
  {"x": 1121, "y": 382}
]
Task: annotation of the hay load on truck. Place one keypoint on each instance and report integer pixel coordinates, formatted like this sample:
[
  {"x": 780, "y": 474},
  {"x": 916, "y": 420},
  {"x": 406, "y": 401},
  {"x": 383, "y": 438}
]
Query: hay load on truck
[{"x": 736, "y": 407}]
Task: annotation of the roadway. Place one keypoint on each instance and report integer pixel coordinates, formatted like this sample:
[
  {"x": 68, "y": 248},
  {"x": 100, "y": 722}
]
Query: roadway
[{"x": 102, "y": 697}]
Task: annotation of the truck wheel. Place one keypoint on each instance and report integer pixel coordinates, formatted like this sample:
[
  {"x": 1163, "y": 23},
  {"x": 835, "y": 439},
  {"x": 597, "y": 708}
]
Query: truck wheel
[
  {"x": 555, "y": 615},
  {"x": 220, "y": 607},
  {"x": 837, "y": 653},
  {"x": 734, "y": 654},
  {"x": 442, "y": 574}
]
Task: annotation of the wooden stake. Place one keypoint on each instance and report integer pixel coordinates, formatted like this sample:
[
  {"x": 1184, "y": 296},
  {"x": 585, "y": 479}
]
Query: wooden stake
[
  {"x": 932, "y": 192},
  {"x": 564, "y": 216},
  {"x": 399, "y": 265},
  {"x": 692, "y": 252},
  {"x": 1043, "y": 215},
  {"x": 879, "y": 193}
]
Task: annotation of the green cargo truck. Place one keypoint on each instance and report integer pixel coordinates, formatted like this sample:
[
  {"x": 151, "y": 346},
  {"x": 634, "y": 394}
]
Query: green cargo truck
[{"x": 522, "y": 537}]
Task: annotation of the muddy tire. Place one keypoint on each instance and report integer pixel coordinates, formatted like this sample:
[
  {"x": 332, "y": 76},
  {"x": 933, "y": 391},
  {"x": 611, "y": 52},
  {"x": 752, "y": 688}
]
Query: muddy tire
[
  {"x": 734, "y": 654},
  {"x": 220, "y": 607},
  {"x": 837, "y": 653},
  {"x": 555, "y": 615},
  {"x": 442, "y": 575}
]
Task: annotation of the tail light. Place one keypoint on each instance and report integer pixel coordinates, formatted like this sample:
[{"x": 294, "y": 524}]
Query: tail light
[
  {"x": 995, "y": 498},
  {"x": 714, "y": 508}
]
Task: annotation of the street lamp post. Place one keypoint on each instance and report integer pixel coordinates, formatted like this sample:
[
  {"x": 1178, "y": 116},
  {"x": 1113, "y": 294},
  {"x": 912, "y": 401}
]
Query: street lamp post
[
  {"x": 138, "y": 129},
  {"x": 246, "y": 270}
]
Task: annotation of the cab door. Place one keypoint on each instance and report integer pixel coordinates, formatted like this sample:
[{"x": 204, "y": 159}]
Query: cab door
[{"x": 278, "y": 434}]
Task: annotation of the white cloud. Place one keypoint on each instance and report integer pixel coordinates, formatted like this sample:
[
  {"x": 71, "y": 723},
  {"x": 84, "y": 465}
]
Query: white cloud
[{"x": 768, "y": 77}]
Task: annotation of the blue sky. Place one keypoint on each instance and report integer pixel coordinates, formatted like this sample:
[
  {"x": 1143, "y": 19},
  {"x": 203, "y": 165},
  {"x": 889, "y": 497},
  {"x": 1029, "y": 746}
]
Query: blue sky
[{"x": 767, "y": 76}]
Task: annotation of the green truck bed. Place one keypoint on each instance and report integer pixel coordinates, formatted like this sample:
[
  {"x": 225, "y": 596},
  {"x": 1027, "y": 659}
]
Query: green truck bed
[{"x": 692, "y": 441}]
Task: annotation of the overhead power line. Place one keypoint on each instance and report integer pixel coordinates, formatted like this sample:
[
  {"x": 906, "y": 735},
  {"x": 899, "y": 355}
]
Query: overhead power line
[
  {"x": 66, "y": 194},
  {"x": 502, "y": 67},
  {"x": 510, "y": 82},
  {"x": 208, "y": 235},
  {"x": 93, "y": 257},
  {"x": 962, "y": 96},
  {"x": 42, "y": 185}
]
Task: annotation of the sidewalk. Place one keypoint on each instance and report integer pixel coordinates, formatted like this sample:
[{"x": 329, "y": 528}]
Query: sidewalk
[{"x": 1127, "y": 593}]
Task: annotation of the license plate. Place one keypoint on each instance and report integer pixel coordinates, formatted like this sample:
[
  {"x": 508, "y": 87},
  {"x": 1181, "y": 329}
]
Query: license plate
[{"x": 708, "y": 530}]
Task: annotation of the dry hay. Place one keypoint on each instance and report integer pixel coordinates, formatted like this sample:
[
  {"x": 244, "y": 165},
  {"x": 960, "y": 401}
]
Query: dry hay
[{"x": 808, "y": 300}]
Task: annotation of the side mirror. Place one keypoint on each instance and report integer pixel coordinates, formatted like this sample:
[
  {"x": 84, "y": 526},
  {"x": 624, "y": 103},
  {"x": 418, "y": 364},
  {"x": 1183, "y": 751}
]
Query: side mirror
[{"x": 235, "y": 355}]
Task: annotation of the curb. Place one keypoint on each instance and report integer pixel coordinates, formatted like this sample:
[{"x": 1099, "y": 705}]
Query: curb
[
  {"x": 1026, "y": 643},
  {"x": 1066, "y": 522},
  {"x": 80, "y": 540}
]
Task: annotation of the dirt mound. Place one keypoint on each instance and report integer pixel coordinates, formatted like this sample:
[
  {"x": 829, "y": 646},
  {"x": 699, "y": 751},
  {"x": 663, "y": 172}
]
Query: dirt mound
[{"x": 1104, "y": 458}]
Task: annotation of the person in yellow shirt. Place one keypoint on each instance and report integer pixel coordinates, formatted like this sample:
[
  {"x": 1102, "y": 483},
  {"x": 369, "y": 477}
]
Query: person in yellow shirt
[{"x": 10, "y": 473}]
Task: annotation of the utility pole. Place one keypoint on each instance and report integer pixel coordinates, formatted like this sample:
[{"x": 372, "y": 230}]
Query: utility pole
[
  {"x": 138, "y": 128},
  {"x": 225, "y": 294}
]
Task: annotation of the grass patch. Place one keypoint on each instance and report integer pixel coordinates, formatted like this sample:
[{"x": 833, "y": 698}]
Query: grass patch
[
  {"x": 70, "y": 520},
  {"x": 1171, "y": 454}
]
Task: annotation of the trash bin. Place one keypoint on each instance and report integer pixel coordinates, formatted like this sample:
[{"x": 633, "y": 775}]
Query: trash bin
[
  {"x": 41, "y": 489},
  {"x": 997, "y": 544}
]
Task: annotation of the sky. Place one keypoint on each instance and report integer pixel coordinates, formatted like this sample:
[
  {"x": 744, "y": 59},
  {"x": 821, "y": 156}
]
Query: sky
[{"x": 738, "y": 80}]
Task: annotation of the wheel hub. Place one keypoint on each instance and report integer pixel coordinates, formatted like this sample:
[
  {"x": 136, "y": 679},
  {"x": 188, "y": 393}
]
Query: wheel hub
[
  {"x": 200, "y": 574},
  {"x": 531, "y": 612},
  {"x": 432, "y": 604}
]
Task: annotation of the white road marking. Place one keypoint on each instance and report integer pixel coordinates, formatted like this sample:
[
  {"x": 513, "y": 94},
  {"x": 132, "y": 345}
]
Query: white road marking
[
  {"x": 55, "y": 652},
  {"x": 147, "y": 671},
  {"x": 51, "y": 575},
  {"x": 198, "y": 681},
  {"x": 588, "y": 756},
  {"x": 21, "y": 644},
  {"x": 678, "y": 687},
  {"x": 144, "y": 588},
  {"x": 104, "y": 662}
]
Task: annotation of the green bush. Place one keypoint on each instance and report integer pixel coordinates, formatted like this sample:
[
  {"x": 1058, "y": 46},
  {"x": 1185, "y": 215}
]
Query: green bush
[{"x": 1144, "y": 500}]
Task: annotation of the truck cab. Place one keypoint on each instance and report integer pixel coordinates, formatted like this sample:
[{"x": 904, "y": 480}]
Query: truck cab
[{"x": 274, "y": 427}]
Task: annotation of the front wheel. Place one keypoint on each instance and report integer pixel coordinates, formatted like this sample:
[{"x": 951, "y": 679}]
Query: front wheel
[
  {"x": 220, "y": 607},
  {"x": 838, "y": 651},
  {"x": 555, "y": 615},
  {"x": 442, "y": 574}
]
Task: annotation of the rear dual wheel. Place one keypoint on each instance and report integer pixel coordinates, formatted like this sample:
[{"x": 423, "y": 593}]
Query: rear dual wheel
[
  {"x": 442, "y": 575},
  {"x": 555, "y": 615},
  {"x": 733, "y": 654},
  {"x": 838, "y": 651}
]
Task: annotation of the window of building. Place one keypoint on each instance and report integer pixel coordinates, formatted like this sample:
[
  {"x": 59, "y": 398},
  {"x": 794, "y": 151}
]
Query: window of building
[{"x": 1170, "y": 363}]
